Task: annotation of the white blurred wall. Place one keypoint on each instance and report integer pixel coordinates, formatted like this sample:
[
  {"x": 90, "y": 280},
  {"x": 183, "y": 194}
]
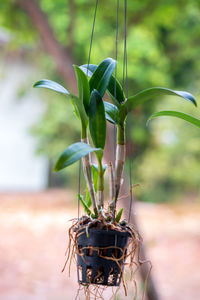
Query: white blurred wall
[{"x": 20, "y": 168}]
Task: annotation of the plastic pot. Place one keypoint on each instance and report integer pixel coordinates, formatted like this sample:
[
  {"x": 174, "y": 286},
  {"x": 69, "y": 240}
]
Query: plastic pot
[{"x": 97, "y": 255}]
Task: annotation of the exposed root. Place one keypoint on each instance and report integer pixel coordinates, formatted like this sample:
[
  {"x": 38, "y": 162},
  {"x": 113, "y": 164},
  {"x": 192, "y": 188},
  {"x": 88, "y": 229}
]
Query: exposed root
[
  {"x": 131, "y": 188},
  {"x": 93, "y": 289}
]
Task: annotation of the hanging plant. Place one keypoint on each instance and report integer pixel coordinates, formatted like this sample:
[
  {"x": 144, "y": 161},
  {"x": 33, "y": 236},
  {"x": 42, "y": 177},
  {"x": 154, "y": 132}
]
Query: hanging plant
[{"x": 101, "y": 241}]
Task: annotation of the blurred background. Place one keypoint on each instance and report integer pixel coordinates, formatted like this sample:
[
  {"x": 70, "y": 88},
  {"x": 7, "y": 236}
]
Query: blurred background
[{"x": 43, "y": 39}]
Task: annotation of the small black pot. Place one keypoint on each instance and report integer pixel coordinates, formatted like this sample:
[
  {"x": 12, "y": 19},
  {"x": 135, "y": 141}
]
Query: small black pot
[{"x": 92, "y": 266}]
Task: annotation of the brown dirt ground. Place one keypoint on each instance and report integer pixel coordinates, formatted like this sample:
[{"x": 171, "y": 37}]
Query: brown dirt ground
[{"x": 33, "y": 241}]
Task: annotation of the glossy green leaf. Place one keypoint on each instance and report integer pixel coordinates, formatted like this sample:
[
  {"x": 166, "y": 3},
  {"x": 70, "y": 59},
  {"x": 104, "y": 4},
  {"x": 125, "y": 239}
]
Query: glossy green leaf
[
  {"x": 51, "y": 85},
  {"x": 85, "y": 206},
  {"x": 88, "y": 69},
  {"x": 83, "y": 87},
  {"x": 112, "y": 112},
  {"x": 116, "y": 93},
  {"x": 101, "y": 76},
  {"x": 119, "y": 215},
  {"x": 72, "y": 154},
  {"x": 148, "y": 94},
  {"x": 114, "y": 87},
  {"x": 97, "y": 120},
  {"x": 77, "y": 103},
  {"x": 177, "y": 114}
]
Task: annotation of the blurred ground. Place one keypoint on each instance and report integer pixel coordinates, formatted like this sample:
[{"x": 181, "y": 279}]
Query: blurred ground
[{"x": 33, "y": 241}]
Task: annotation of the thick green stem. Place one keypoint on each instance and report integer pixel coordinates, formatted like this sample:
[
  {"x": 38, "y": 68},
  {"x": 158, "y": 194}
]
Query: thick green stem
[
  {"x": 119, "y": 166},
  {"x": 100, "y": 185},
  {"x": 120, "y": 134},
  {"x": 87, "y": 170}
]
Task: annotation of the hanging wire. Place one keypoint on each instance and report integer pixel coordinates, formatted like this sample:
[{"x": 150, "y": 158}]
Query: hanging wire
[
  {"x": 124, "y": 82},
  {"x": 79, "y": 187},
  {"x": 89, "y": 55},
  {"x": 125, "y": 86},
  {"x": 92, "y": 34},
  {"x": 115, "y": 86}
]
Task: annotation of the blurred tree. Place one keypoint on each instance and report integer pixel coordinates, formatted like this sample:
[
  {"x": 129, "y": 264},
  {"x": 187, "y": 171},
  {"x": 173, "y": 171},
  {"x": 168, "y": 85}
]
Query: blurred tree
[{"x": 163, "y": 38}]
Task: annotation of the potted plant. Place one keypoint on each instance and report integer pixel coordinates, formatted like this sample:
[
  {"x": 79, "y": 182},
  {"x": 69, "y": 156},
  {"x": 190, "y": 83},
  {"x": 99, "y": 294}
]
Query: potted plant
[{"x": 100, "y": 239}]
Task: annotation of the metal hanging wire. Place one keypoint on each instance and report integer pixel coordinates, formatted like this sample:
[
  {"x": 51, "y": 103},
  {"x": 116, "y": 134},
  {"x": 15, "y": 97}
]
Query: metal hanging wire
[
  {"x": 79, "y": 187},
  {"x": 125, "y": 86},
  {"x": 92, "y": 34},
  {"x": 115, "y": 86},
  {"x": 89, "y": 55}
]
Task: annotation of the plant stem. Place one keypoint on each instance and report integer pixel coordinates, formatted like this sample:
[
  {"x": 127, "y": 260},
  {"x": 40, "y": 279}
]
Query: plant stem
[
  {"x": 111, "y": 181},
  {"x": 83, "y": 133},
  {"x": 87, "y": 170},
  {"x": 100, "y": 185},
  {"x": 119, "y": 166},
  {"x": 120, "y": 134}
]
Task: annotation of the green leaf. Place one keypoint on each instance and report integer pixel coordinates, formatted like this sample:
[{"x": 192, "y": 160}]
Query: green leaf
[
  {"x": 95, "y": 174},
  {"x": 115, "y": 91},
  {"x": 114, "y": 87},
  {"x": 112, "y": 112},
  {"x": 88, "y": 69},
  {"x": 95, "y": 180},
  {"x": 75, "y": 109},
  {"x": 80, "y": 109},
  {"x": 97, "y": 120},
  {"x": 51, "y": 85},
  {"x": 177, "y": 114},
  {"x": 148, "y": 94},
  {"x": 85, "y": 206},
  {"x": 73, "y": 153},
  {"x": 77, "y": 103},
  {"x": 88, "y": 198},
  {"x": 119, "y": 215},
  {"x": 83, "y": 87},
  {"x": 101, "y": 76}
]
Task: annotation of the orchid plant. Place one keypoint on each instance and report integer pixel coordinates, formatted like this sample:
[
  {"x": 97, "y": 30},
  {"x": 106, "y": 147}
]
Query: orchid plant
[{"x": 93, "y": 81}]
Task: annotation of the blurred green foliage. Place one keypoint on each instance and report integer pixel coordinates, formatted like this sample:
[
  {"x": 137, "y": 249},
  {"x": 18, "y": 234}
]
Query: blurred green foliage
[
  {"x": 163, "y": 50},
  {"x": 169, "y": 169}
]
